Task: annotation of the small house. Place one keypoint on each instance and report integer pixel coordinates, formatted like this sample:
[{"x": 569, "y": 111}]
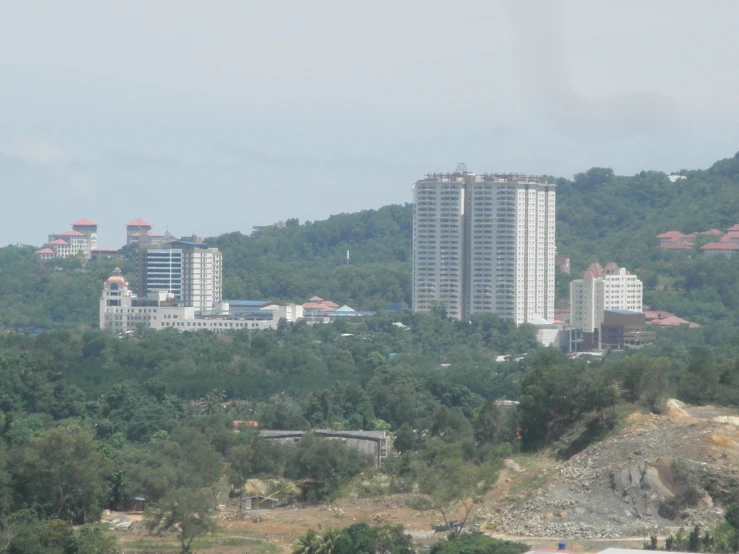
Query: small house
[
  {"x": 137, "y": 504},
  {"x": 259, "y": 503}
]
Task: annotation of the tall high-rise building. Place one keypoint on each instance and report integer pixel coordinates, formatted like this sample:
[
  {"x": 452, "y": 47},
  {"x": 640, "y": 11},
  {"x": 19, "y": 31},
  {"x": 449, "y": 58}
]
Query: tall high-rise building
[
  {"x": 484, "y": 243},
  {"x": 187, "y": 268}
]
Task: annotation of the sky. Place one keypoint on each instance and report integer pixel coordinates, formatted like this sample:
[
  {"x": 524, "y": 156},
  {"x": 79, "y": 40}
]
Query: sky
[{"x": 213, "y": 117}]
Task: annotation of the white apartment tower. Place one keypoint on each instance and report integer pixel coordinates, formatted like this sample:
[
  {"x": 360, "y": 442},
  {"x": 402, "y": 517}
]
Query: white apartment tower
[
  {"x": 600, "y": 289},
  {"x": 484, "y": 243},
  {"x": 202, "y": 277},
  {"x": 188, "y": 269}
]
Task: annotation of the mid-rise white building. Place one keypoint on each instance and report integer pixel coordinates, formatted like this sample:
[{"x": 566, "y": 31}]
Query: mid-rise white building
[
  {"x": 202, "y": 275},
  {"x": 601, "y": 289},
  {"x": 190, "y": 270},
  {"x": 484, "y": 243}
]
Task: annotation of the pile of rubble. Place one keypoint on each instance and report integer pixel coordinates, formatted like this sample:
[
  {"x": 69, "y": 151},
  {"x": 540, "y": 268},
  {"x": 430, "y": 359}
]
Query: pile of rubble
[
  {"x": 381, "y": 517},
  {"x": 621, "y": 487}
]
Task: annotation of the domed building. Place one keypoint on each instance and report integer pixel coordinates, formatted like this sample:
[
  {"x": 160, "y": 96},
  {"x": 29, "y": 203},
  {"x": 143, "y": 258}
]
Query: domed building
[{"x": 115, "y": 302}]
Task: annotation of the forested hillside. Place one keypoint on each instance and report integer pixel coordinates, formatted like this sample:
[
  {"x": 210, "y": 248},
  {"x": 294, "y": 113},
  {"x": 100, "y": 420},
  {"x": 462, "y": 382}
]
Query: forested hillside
[
  {"x": 89, "y": 420},
  {"x": 601, "y": 216},
  {"x": 300, "y": 261}
]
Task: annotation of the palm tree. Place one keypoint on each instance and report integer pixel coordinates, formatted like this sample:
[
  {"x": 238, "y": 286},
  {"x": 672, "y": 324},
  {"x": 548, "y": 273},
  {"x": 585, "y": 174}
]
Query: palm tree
[
  {"x": 329, "y": 540},
  {"x": 309, "y": 543}
]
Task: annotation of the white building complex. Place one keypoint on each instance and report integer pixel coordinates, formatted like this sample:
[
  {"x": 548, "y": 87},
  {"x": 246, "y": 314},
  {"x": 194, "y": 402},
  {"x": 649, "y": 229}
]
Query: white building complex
[
  {"x": 600, "y": 290},
  {"x": 121, "y": 311},
  {"x": 78, "y": 242},
  {"x": 484, "y": 243}
]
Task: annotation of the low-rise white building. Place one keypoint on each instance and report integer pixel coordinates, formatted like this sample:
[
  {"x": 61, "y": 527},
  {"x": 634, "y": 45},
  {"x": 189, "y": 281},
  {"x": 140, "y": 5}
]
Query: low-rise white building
[{"x": 122, "y": 311}]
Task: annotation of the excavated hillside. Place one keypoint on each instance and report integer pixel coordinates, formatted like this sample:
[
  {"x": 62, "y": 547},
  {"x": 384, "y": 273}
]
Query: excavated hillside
[
  {"x": 614, "y": 493},
  {"x": 628, "y": 485}
]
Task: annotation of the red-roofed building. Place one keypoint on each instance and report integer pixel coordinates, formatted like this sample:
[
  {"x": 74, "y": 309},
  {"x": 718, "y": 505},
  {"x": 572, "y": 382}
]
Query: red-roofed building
[
  {"x": 670, "y": 321},
  {"x": 66, "y": 247},
  {"x": 651, "y": 315},
  {"x": 137, "y": 227},
  {"x": 594, "y": 270},
  {"x": 687, "y": 245},
  {"x": 44, "y": 254},
  {"x": 88, "y": 228},
  {"x": 671, "y": 236},
  {"x": 78, "y": 241},
  {"x": 731, "y": 236},
  {"x": 726, "y": 249},
  {"x": 84, "y": 222},
  {"x": 667, "y": 319},
  {"x": 318, "y": 304},
  {"x": 675, "y": 240}
]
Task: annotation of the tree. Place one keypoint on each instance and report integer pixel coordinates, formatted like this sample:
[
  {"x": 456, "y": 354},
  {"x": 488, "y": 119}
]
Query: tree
[
  {"x": 478, "y": 544},
  {"x": 323, "y": 465},
  {"x": 488, "y": 424},
  {"x": 64, "y": 471},
  {"x": 258, "y": 457},
  {"x": 731, "y": 515},
  {"x": 644, "y": 379},
  {"x": 361, "y": 538},
  {"x": 452, "y": 485},
  {"x": 309, "y": 542},
  {"x": 92, "y": 540},
  {"x": 329, "y": 538},
  {"x": 189, "y": 512}
]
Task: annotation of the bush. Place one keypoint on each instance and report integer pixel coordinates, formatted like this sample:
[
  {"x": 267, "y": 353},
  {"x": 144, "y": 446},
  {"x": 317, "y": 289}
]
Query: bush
[{"x": 478, "y": 544}]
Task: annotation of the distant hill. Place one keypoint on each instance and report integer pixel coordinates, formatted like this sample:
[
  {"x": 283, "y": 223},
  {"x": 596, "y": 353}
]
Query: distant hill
[
  {"x": 600, "y": 216},
  {"x": 299, "y": 261}
]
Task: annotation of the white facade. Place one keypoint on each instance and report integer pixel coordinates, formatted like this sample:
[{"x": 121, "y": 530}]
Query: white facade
[
  {"x": 612, "y": 288},
  {"x": 192, "y": 272},
  {"x": 160, "y": 269},
  {"x": 484, "y": 243},
  {"x": 121, "y": 311},
  {"x": 202, "y": 277},
  {"x": 438, "y": 244},
  {"x": 69, "y": 244}
]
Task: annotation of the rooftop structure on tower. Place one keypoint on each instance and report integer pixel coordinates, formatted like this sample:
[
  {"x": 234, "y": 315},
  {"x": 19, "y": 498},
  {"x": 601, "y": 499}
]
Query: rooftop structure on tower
[{"x": 137, "y": 228}]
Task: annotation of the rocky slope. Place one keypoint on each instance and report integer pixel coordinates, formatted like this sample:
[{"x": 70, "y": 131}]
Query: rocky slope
[{"x": 628, "y": 485}]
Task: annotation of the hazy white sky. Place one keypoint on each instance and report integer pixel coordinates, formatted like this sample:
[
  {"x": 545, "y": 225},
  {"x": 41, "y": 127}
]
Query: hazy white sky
[{"x": 217, "y": 116}]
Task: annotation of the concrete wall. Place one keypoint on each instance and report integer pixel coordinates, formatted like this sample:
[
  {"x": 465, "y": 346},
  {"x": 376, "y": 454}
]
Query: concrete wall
[{"x": 375, "y": 444}]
